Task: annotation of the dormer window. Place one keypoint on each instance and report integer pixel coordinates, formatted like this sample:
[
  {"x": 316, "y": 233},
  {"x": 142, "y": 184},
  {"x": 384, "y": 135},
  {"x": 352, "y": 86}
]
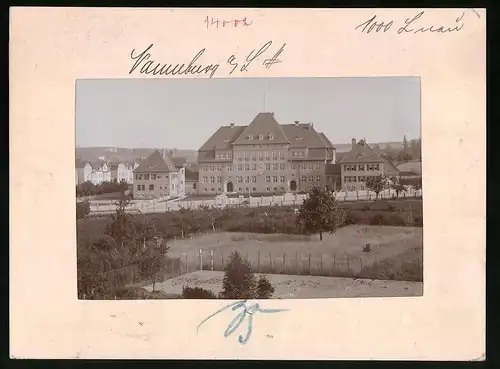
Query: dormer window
[
  {"x": 298, "y": 138},
  {"x": 361, "y": 156},
  {"x": 271, "y": 137},
  {"x": 261, "y": 137},
  {"x": 250, "y": 137}
]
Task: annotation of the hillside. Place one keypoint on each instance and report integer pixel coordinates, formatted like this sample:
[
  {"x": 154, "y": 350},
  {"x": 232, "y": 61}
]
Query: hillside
[{"x": 118, "y": 154}]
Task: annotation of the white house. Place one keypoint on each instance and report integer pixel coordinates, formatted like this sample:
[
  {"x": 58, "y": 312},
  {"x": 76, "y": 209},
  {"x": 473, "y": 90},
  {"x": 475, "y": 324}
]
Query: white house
[
  {"x": 83, "y": 171},
  {"x": 100, "y": 172},
  {"x": 126, "y": 172}
]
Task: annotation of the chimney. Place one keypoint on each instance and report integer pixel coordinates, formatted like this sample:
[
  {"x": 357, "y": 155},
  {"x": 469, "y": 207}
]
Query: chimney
[
  {"x": 353, "y": 142},
  {"x": 231, "y": 124},
  {"x": 311, "y": 125},
  {"x": 296, "y": 123}
]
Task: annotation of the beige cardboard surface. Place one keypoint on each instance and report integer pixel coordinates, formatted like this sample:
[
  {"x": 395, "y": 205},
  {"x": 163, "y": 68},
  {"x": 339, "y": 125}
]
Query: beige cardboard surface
[{"x": 52, "y": 47}]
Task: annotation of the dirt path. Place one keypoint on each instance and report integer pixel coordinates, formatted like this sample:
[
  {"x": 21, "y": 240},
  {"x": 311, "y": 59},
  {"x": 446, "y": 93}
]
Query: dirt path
[{"x": 301, "y": 287}]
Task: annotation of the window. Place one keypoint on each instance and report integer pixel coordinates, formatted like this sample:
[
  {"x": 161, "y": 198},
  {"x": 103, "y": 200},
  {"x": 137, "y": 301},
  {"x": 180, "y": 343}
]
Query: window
[
  {"x": 294, "y": 154},
  {"x": 268, "y": 189},
  {"x": 254, "y": 166},
  {"x": 293, "y": 166},
  {"x": 309, "y": 166},
  {"x": 261, "y": 137},
  {"x": 219, "y": 179},
  {"x": 250, "y": 137},
  {"x": 138, "y": 187},
  {"x": 206, "y": 189},
  {"x": 247, "y": 179},
  {"x": 229, "y": 168},
  {"x": 239, "y": 179},
  {"x": 275, "y": 179},
  {"x": 275, "y": 155},
  {"x": 239, "y": 167},
  {"x": 240, "y": 189},
  {"x": 254, "y": 179},
  {"x": 310, "y": 179},
  {"x": 194, "y": 186},
  {"x": 303, "y": 179},
  {"x": 281, "y": 155},
  {"x": 247, "y": 166},
  {"x": 138, "y": 176},
  {"x": 361, "y": 167},
  {"x": 151, "y": 187},
  {"x": 282, "y": 179},
  {"x": 212, "y": 189},
  {"x": 318, "y": 166},
  {"x": 254, "y": 189},
  {"x": 212, "y": 179},
  {"x": 153, "y": 176},
  {"x": 318, "y": 178},
  {"x": 377, "y": 167},
  {"x": 259, "y": 154},
  {"x": 268, "y": 166},
  {"x": 361, "y": 179},
  {"x": 146, "y": 176},
  {"x": 271, "y": 137},
  {"x": 349, "y": 179},
  {"x": 268, "y": 179},
  {"x": 275, "y": 166},
  {"x": 219, "y": 189},
  {"x": 246, "y": 155},
  {"x": 302, "y": 167}
]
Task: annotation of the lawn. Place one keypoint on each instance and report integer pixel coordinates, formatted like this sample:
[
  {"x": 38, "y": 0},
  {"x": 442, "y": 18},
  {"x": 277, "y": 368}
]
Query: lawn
[{"x": 396, "y": 252}]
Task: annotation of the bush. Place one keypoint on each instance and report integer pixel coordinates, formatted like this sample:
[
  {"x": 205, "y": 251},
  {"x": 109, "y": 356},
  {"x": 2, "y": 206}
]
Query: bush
[
  {"x": 197, "y": 293},
  {"x": 378, "y": 219},
  {"x": 392, "y": 207},
  {"x": 82, "y": 209},
  {"x": 396, "y": 220},
  {"x": 265, "y": 289},
  {"x": 239, "y": 281},
  {"x": 131, "y": 293},
  {"x": 418, "y": 221}
]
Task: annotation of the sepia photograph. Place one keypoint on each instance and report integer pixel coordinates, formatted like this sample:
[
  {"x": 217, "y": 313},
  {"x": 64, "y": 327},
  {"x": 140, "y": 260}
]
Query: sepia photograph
[{"x": 248, "y": 188}]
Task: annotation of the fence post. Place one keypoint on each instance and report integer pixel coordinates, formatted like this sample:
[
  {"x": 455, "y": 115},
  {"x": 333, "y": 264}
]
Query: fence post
[
  {"x": 201, "y": 259},
  {"x": 270, "y": 262},
  {"x": 309, "y": 264},
  {"x": 361, "y": 263},
  {"x": 258, "y": 262},
  {"x": 334, "y": 268},
  {"x": 348, "y": 265},
  {"x": 321, "y": 263},
  {"x": 297, "y": 261},
  {"x": 212, "y": 260},
  {"x": 284, "y": 261},
  {"x": 187, "y": 265},
  {"x": 222, "y": 259}
]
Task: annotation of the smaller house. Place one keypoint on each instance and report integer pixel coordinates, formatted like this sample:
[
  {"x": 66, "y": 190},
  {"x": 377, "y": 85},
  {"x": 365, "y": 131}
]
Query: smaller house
[
  {"x": 158, "y": 176},
  {"x": 125, "y": 172},
  {"x": 113, "y": 169},
  {"x": 100, "y": 172},
  {"x": 362, "y": 162},
  {"x": 192, "y": 178},
  {"x": 83, "y": 171}
]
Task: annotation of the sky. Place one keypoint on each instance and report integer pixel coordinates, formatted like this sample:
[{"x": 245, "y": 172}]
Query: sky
[{"x": 184, "y": 113}]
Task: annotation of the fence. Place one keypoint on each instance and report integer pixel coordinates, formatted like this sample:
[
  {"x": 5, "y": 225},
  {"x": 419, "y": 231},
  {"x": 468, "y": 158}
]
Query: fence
[
  {"x": 130, "y": 275},
  {"x": 367, "y": 265}
]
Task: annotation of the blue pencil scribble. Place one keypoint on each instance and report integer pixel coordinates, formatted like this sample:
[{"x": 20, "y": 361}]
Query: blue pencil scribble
[{"x": 238, "y": 319}]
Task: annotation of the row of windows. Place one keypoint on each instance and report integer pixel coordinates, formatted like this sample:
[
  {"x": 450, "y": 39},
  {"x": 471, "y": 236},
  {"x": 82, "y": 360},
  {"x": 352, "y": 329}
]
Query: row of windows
[
  {"x": 362, "y": 167},
  {"x": 260, "y": 155},
  {"x": 310, "y": 179},
  {"x": 211, "y": 179},
  {"x": 261, "y": 137},
  {"x": 275, "y": 179},
  {"x": 268, "y": 166},
  {"x": 247, "y": 189},
  {"x": 152, "y": 176},
  {"x": 223, "y": 155},
  {"x": 298, "y": 154},
  {"x": 348, "y": 179},
  {"x": 151, "y": 187}
]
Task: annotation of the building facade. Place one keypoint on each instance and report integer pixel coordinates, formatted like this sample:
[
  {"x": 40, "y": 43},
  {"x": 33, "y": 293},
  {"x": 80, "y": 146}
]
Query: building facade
[
  {"x": 158, "y": 176},
  {"x": 362, "y": 162},
  {"x": 83, "y": 171},
  {"x": 126, "y": 172},
  {"x": 264, "y": 156},
  {"x": 191, "y": 182}
]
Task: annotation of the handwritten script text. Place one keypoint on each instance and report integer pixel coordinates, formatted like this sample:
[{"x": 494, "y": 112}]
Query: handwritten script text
[
  {"x": 145, "y": 64},
  {"x": 411, "y": 25},
  {"x": 236, "y": 322}
]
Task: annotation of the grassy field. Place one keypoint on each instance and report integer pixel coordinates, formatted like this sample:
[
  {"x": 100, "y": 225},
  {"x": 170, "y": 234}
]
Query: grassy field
[
  {"x": 396, "y": 252},
  {"x": 296, "y": 286}
]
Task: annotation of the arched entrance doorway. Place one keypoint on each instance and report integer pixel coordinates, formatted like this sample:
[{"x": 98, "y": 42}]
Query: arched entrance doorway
[
  {"x": 230, "y": 187},
  {"x": 293, "y": 186}
]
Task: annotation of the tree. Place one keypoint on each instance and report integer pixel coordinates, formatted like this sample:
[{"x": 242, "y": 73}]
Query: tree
[
  {"x": 197, "y": 293},
  {"x": 376, "y": 184},
  {"x": 212, "y": 213},
  {"x": 397, "y": 186},
  {"x": 265, "y": 289},
  {"x": 239, "y": 282},
  {"x": 320, "y": 212},
  {"x": 184, "y": 220},
  {"x": 82, "y": 209}
]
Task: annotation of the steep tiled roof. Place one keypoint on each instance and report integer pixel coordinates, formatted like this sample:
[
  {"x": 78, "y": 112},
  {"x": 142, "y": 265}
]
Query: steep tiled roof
[
  {"x": 264, "y": 124},
  {"x": 262, "y": 129},
  {"x": 113, "y": 166},
  {"x": 413, "y": 166},
  {"x": 179, "y": 161},
  {"x": 223, "y": 138},
  {"x": 80, "y": 163},
  {"x": 156, "y": 163},
  {"x": 96, "y": 164},
  {"x": 362, "y": 153},
  {"x": 191, "y": 176}
]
